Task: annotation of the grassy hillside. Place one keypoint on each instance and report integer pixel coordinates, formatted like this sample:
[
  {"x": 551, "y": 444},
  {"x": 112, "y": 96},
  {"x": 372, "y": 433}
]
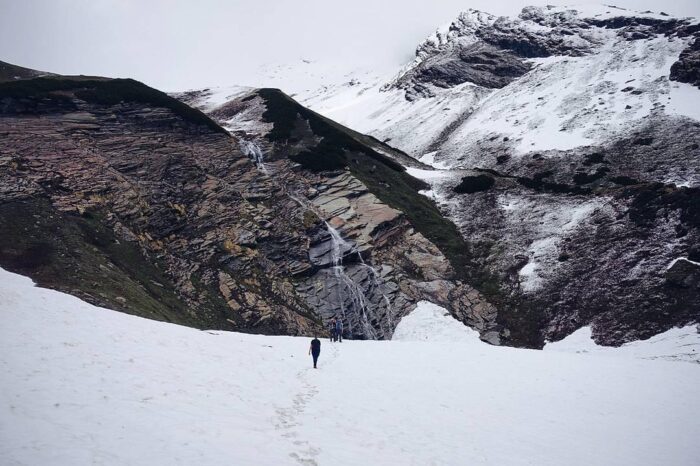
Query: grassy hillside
[
  {"x": 10, "y": 72},
  {"x": 79, "y": 255},
  {"x": 103, "y": 91}
]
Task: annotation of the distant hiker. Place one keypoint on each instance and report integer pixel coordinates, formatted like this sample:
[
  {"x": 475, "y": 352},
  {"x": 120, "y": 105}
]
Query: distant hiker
[
  {"x": 331, "y": 330},
  {"x": 339, "y": 330},
  {"x": 315, "y": 349}
]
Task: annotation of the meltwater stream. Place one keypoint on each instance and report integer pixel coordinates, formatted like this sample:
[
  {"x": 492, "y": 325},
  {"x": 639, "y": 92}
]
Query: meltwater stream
[
  {"x": 253, "y": 151},
  {"x": 356, "y": 303},
  {"x": 359, "y": 301}
]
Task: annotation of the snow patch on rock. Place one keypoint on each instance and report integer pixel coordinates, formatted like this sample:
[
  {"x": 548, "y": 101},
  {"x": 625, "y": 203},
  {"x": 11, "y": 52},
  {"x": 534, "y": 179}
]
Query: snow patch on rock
[
  {"x": 685, "y": 259},
  {"x": 568, "y": 102},
  {"x": 430, "y": 322},
  {"x": 553, "y": 222},
  {"x": 677, "y": 344}
]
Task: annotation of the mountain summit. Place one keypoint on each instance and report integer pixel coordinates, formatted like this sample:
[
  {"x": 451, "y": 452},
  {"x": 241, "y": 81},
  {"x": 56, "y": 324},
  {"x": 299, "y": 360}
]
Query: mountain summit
[{"x": 551, "y": 78}]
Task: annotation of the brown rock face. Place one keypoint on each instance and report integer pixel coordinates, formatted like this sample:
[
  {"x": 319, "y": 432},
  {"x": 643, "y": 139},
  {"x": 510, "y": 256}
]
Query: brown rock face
[
  {"x": 136, "y": 203},
  {"x": 182, "y": 197}
]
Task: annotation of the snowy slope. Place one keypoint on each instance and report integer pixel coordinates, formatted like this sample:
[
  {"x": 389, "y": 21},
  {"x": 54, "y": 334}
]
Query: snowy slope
[
  {"x": 84, "y": 385},
  {"x": 568, "y": 102},
  {"x": 588, "y": 82},
  {"x": 678, "y": 344},
  {"x": 609, "y": 86},
  {"x": 430, "y": 322}
]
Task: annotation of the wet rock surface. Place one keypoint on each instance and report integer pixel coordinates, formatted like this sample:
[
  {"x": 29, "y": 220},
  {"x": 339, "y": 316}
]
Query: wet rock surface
[{"x": 368, "y": 264}]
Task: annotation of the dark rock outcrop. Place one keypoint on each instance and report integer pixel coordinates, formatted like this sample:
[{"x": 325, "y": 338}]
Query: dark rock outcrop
[
  {"x": 482, "y": 64},
  {"x": 474, "y": 184},
  {"x": 687, "y": 68}
]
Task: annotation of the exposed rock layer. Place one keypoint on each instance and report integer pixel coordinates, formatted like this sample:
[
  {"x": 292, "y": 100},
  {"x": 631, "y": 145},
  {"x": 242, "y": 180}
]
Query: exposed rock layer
[{"x": 116, "y": 193}]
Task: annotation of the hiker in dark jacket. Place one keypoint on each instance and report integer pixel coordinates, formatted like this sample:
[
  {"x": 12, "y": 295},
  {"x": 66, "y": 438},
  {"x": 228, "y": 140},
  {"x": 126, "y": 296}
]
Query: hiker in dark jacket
[
  {"x": 315, "y": 349},
  {"x": 331, "y": 330},
  {"x": 339, "y": 330}
]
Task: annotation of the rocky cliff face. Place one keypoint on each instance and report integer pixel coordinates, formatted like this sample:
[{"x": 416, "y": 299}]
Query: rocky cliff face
[
  {"x": 375, "y": 245},
  {"x": 618, "y": 255},
  {"x": 566, "y": 147},
  {"x": 130, "y": 199},
  {"x": 149, "y": 198}
]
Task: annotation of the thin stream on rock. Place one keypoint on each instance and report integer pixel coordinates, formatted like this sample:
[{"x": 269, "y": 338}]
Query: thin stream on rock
[
  {"x": 253, "y": 151},
  {"x": 358, "y": 298},
  {"x": 356, "y": 293}
]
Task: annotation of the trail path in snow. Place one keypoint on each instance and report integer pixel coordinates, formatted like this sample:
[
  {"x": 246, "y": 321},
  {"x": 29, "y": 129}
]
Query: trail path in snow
[{"x": 288, "y": 419}]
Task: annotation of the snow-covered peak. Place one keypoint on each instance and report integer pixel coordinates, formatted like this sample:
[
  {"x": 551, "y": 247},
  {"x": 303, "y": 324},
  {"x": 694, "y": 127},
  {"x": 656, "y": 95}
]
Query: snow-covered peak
[
  {"x": 587, "y": 10},
  {"x": 462, "y": 30},
  {"x": 532, "y": 19},
  {"x": 551, "y": 78},
  {"x": 465, "y": 26}
]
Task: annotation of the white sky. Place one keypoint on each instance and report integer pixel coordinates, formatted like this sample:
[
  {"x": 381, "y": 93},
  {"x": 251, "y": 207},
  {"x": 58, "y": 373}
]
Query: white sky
[{"x": 178, "y": 44}]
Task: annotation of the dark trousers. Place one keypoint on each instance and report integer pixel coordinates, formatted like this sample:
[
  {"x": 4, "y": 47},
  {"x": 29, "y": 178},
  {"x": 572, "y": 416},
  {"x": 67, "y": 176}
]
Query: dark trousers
[{"x": 315, "y": 356}]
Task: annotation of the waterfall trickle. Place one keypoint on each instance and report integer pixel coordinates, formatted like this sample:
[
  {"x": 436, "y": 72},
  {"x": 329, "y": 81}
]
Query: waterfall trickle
[
  {"x": 376, "y": 284},
  {"x": 347, "y": 284},
  {"x": 253, "y": 151},
  {"x": 359, "y": 295}
]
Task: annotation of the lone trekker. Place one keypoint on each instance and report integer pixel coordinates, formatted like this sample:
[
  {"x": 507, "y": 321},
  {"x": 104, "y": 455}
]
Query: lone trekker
[
  {"x": 339, "y": 330},
  {"x": 315, "y": 349},
  {"x": 331, "y": 330}
]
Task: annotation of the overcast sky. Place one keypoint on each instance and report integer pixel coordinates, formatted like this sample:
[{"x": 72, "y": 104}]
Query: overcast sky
[{"x": 178, "y": 44}]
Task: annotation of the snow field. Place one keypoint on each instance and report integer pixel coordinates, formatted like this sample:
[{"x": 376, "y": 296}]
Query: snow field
[
  {"x": 677, "y": 344},
  {"x": 85, "y": 385}
]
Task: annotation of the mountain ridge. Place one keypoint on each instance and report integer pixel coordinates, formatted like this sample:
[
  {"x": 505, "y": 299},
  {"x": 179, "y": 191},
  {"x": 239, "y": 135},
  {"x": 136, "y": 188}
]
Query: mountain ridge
[
  {"x": 216, "y": 236},
  {"x": 593, "y": 226},
  {"x": 554, "y": 141}
]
